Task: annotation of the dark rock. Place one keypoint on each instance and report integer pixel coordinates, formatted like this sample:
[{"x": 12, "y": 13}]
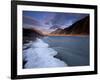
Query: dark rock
[{"x": 31, "y": 35}]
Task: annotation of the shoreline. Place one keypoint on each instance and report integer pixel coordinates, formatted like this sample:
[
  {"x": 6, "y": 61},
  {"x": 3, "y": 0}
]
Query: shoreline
[{"x": 76, "y": 35}]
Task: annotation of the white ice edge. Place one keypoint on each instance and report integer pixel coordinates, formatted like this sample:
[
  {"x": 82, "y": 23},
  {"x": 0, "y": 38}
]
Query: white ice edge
[{"x": 39, "y": 55}]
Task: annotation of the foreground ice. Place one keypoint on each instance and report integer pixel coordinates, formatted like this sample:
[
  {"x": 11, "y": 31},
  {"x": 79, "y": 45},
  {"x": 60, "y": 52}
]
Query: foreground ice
[{"x": 39, "y": 55}]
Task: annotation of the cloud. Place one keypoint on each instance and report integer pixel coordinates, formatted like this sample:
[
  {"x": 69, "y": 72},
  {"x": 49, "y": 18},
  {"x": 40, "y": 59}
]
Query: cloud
[
  {"x": 65, "y": 19},
  {"x": 30, "y": 21},
  {"x": 54, "y": 27},
  {"x": 59, "y": 19}
]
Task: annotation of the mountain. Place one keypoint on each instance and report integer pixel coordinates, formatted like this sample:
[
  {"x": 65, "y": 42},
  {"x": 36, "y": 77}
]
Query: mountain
[
  {"x": 57, "y": 31},
  {"x": 31, "y": 35},
  {"x": 80, "y": 27}
]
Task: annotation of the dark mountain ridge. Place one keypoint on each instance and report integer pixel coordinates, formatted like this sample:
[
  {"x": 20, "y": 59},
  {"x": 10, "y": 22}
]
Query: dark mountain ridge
[
  {"x": 31, "y": 35},
  {"x": 80, "y": 27}
]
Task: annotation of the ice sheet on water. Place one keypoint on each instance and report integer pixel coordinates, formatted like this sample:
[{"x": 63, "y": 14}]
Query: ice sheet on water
[
  {"x": 39, "y": 43},
  {"x": 40, "y": 55}
]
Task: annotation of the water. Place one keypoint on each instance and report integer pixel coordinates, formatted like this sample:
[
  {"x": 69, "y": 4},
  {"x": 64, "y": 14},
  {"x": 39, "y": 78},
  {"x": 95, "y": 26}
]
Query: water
[
  {"x": 73, "y": 50},
  {"x": 40, "y": 55},
  {"x": 56, "y": 51}
]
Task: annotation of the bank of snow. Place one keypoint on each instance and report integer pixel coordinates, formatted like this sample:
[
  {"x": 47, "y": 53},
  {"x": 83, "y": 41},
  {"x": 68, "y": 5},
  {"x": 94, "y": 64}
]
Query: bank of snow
[{"x": 40, "y": 55}]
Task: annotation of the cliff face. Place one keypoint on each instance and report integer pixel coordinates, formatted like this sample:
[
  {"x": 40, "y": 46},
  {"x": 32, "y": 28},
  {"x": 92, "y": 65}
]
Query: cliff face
[
  {"x": 30, "y": 35},
  {"x": 80, "y": 27}
]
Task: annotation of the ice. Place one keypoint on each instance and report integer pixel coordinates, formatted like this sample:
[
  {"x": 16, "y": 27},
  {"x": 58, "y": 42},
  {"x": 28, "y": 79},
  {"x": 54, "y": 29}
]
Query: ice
[
  {"x": 39, "y": 43},
  {"x": 40, "y": 55}
]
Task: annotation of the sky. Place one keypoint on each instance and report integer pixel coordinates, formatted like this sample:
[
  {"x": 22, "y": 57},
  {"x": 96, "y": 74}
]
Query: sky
[{"x": 49, "y": 21}]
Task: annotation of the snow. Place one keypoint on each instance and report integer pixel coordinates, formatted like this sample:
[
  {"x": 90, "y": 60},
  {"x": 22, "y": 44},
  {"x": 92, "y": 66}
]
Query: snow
[{"x": 40, "y": 55}]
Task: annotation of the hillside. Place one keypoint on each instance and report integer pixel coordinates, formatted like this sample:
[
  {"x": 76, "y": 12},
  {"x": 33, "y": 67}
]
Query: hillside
[
  {"x": 80, "y": 27},
  {"x": 30, "y": 35}
]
